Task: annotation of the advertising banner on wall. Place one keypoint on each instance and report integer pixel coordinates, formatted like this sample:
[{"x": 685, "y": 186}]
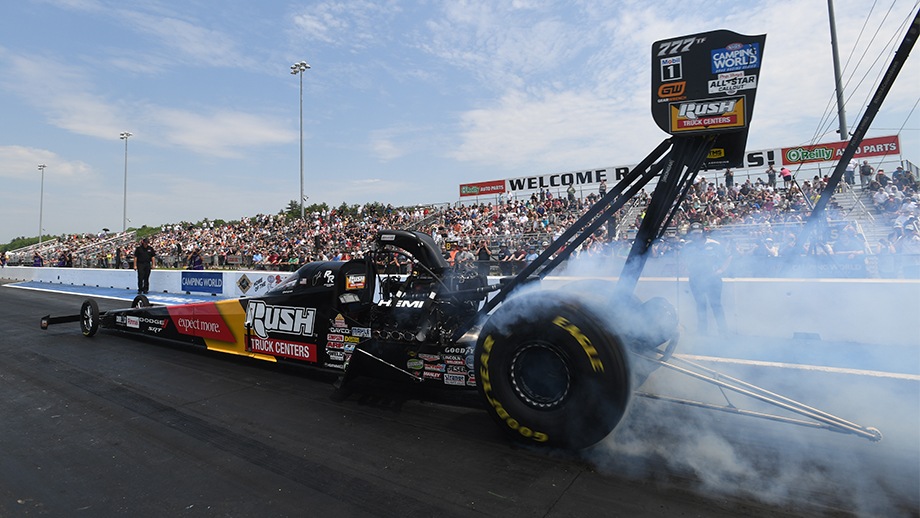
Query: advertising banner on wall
[{"x": 888, "y": 146}]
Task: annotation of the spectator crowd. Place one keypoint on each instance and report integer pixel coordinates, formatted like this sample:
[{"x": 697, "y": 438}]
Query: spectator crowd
[{"x": 510, "y": 230}]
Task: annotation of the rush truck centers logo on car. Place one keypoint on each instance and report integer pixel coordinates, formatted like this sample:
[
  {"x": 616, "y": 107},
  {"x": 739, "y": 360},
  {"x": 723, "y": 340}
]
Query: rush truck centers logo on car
[
  {"x": 263, "y": 319},
  {"x": 708, "y": 114}
]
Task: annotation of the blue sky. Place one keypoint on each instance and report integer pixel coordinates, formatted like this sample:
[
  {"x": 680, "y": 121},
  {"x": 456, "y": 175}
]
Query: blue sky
[{"x": 404, "y": 100}]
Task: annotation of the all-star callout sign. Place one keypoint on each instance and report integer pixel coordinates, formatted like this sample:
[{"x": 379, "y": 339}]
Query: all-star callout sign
[{"x": 889, "y": 147}]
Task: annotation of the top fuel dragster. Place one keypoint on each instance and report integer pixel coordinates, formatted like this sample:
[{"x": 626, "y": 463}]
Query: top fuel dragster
[{"x": 554, "y": 368}]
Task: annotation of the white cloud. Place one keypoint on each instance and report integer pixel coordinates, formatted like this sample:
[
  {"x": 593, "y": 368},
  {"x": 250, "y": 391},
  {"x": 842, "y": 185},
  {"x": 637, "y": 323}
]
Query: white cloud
[
  {"x": 222, "y": 133},
  {"x": 22, "y": 162},
  {"x": 352, "y": 24}
]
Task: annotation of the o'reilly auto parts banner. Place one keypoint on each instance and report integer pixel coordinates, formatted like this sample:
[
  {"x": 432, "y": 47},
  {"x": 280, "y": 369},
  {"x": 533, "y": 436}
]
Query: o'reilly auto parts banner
[{"x": 787, "y": 156}]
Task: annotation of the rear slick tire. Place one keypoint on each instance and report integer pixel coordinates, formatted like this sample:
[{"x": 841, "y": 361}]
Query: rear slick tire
[{"x": 550, "y": 373}]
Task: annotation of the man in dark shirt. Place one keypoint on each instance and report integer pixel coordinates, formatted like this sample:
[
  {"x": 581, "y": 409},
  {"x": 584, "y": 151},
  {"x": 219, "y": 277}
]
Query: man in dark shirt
[
  {"x": 144, "y": 261},
  {"x": 707, "y": 260}
]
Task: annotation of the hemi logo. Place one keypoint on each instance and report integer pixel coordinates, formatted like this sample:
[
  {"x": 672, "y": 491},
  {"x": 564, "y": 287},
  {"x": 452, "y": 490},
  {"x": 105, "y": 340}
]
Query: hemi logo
[{"x": 672, "y": 89}]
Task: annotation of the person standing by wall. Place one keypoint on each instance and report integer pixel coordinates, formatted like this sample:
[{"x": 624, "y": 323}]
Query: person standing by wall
[
  {"x": 849, "y": 174},
  {"x": 865, "y": 174},
  {"x": 194, "y": 260},
  {"x": 771, "y": 177},
  {"x": 706, "y": 260},
  {"x": 483, "y": 258},
  {"x": 144, "y": 260}
]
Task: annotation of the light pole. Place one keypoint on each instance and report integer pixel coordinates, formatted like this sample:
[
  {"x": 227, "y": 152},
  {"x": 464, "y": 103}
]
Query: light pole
[
  {"x": 41, "y": 204},
  {"x": 299, "y": 69},
  {"x": 124, "y": 210}
]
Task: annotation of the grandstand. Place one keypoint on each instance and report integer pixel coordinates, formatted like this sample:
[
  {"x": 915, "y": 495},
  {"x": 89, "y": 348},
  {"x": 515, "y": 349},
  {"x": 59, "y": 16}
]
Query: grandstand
[{"x": 750, "y": 216}]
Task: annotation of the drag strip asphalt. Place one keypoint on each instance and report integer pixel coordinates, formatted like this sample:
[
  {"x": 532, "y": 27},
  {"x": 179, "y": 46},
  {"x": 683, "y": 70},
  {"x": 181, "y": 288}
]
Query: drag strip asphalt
[{"x": 115, "y": 425}]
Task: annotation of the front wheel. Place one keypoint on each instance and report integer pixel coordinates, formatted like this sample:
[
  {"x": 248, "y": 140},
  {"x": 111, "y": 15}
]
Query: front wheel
[
  {"x": 550, "y": 373},
  {"x": 89, "y": 317}
]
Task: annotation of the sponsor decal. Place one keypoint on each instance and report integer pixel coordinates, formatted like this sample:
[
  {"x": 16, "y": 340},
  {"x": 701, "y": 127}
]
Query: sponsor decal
[
  {"x": 732, "y": 82},
  {"x": 339, "y": 322},
  {"x": 133, "y": 322},
  {"x": 672, "y": 68},
  {"x": 287, "y": 349},
  {"x": 243, "y": 283},
  {"x": 352, "y": 339},
  {"x": 458, "y": 350},
  {"x": 453, "y": 359},
  {"x": 666, "y": 48},
  {"x": 334, "y": 365},
  {"x": 202, "y": 320},
  {"x": 734, "y": 57},
  {"x": 265, "y": 283},
  {"x": 335, "y": 338},
  {"x": 349, "y": 348},
  {"x": 361, "y": 332},
  {"x": 336, "y": 355},
  {"x": 203, "y": 282},
  {"x": 324, "y": 277},
  {"x": 716, "y": 153},
  {"x": 429, "y": 357},
  {"x": 388, "y": 237},
  {"x": 265, "y": 318},
  {"x": 153, "y": 321},
  {"x": 431, "y": 375},
  {"x": 417, "y": 304},
  {"x": 335, "y": 345},
  {"x": 672, "y": 91},
  {"x": 457, "y": 368},
  {"x": 454, "y": 379},
  {"x": 710, "y": 114},
  {"x": 435, "y": 367},
  {"x": 354, "y": 282},
  {"x": 414, "y": 364}
]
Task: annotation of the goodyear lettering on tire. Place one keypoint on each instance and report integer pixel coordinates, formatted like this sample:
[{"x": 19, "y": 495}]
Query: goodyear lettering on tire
[
  {"x": 486, "y": 384},
  {"x": 583, "y": 340}
]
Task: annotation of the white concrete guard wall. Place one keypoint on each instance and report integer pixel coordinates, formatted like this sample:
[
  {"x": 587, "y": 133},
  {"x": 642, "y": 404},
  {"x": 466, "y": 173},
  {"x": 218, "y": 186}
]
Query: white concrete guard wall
[{"x": 876, "y": 311}]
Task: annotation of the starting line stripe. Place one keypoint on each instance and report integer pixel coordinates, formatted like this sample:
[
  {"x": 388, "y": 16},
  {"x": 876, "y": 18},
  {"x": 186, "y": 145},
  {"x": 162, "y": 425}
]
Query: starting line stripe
[{"x": 798, "y": 366}]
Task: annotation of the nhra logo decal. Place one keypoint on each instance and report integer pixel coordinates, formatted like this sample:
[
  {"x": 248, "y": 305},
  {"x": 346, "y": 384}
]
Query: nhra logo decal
[{"x": 263, "y": 319}]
